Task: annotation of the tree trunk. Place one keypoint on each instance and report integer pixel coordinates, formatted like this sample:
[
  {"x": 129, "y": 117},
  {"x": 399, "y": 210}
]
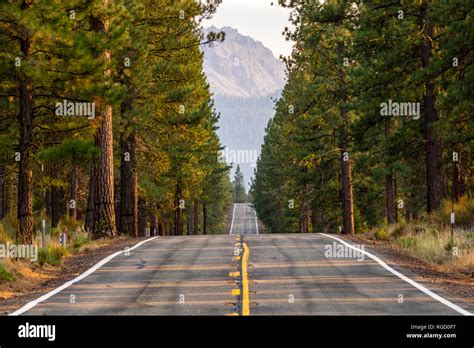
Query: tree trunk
[
  {"x": 178, "y": 221},
  {"x": 389, "y": 189},
  {"x": 73, "y": 193},
  {"x": 190, "y": 220},
  {"x": 161, "y": 227},
  {"x": 153, "y": 224},
  {"x": 457, "y": 176},
  {"x": 346, "y": 176},
  {"x": 389, "y": 199},
  {"x": 3, "y": 193},
  {"x": 89, "y": 221},
  {"x": 103, "y": 172},
  {"x": 142, "y": 217},
  {"x": 128, "y": 187},
  {"x": 204, "y": 217},
  {"x": 55, "y": 201},
  {"x": 196, "y": 218},
  {"x": 25, "y": 174},
  {"x": 103, "y": 180},
  {"x": 434, "y": 144}
]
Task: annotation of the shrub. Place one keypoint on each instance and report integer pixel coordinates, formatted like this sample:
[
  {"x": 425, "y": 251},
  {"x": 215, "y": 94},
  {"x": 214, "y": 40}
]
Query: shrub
[
  {"x": 5, "y": 275},
  {"x": 4, "y": 237},
  {"x": 80, "y": 240},
  {"x": 463, "y": 211},
  {"x": 381, "y": 235},
  {"x": 398, "y": 231},
  {"x": 52, "y": 255}
]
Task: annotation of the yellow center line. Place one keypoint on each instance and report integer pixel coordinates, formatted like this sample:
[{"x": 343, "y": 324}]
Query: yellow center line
[{"x": 245, "y": 282}]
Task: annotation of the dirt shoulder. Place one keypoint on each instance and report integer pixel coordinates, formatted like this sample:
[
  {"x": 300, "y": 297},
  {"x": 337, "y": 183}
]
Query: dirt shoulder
[
  {"x": 458, "y": 284},
  {"x": 35, "y": 281}
]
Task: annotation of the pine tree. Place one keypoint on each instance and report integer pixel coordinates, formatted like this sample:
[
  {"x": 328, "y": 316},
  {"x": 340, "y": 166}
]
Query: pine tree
[{"x": 240, "y": 195}]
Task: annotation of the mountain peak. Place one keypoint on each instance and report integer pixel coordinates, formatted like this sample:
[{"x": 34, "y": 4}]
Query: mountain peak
[{"x": 242, "y": 66}]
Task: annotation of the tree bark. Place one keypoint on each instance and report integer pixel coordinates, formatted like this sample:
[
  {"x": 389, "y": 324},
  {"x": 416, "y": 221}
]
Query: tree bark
[
  {"x": 434, "y": 144},
  {"x": 196, "y": 218},
  {"x": 3, "y": 193},
  {"x": 153, "y": 224},
  {"x": 103, "y": 180},
  {"x": 389, "y": 189},
  {"x": 89, "y": 221},
  {"x": 142, "y": 217},
  {"x": 128, "y": 187},
  {"x": 457, "y": 174},
  {"x": 25, "y": 174},
  {"x": 346, "y": 176},
  {"x": 204, "y": 217},
  {"x": 178, "y": 221},
  {"x": 73, "y": 193},
  {"x": 190, "y": 221},
  {"x": 161, "y": 227},
  {"x": 55, "y": 201},
  {"x": 103, "y": 172}
]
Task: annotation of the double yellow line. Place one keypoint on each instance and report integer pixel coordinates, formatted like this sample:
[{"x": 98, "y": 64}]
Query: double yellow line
[
  {"x": 245, "y": 282},
  {"x": 243, "y": 290}
]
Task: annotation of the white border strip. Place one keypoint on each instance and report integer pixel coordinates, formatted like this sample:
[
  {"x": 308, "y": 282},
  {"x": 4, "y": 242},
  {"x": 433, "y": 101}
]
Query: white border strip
[
  {"x": 91, "y": 270},
  {"x": 405, "y": 278},
  {"x": 233, "y": 214}
]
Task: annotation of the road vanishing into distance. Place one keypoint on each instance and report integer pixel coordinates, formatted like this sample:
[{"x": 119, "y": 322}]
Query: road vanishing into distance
[{"x": 244, "y": 273}]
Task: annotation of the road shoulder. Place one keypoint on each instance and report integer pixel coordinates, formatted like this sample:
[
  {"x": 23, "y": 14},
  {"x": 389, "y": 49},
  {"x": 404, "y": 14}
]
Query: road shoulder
[
  {"x": 46, "y": 279},
  {"x": 460, "y": 286}
]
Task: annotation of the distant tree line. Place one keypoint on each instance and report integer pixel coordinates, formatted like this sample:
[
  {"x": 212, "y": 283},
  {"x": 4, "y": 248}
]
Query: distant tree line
[
  {"x": 375, "y": 124},
  {"x": 106, "y": 118}
]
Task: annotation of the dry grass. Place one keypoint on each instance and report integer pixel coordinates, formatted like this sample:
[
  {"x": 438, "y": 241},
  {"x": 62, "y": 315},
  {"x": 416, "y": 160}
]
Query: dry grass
[{"x": 429, "y": 239}]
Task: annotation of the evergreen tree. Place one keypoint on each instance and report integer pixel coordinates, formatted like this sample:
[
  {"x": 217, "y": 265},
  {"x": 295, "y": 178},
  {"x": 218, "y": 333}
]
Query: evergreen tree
[{"x": 240, "y": 194}]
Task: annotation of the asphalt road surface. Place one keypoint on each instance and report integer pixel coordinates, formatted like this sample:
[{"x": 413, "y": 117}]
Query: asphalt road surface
[
  {"x": 244, "y": 219},
  {"x": 266, "y": 274}
]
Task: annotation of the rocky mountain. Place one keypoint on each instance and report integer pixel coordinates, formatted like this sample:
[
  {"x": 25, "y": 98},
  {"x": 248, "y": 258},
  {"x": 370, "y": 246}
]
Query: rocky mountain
[
  {"x": 242, "y": 67},
  {"x": 245, "y": 79}
]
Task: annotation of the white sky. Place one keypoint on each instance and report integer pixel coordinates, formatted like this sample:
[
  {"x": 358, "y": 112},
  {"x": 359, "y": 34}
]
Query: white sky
[{"x": 258, "y": 19}]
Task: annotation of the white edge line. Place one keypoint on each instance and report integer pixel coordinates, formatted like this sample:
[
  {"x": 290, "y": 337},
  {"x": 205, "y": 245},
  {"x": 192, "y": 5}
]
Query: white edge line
[
  {"x": 232, "y": 224},
  {"x": 91, "y": 270},
  {"x": 405, "y": 278}
]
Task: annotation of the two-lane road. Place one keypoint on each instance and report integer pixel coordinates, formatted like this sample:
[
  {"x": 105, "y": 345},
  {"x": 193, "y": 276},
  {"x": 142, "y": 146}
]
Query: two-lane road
[
  {"x": 288, "y": 274},
  {"x": 244, "y": 219}
]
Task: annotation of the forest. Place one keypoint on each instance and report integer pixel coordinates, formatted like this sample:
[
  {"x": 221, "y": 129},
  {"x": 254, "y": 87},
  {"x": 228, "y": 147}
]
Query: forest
[
  {"x": 107, "y": 125},
  {"x": 375, "y": 124}
]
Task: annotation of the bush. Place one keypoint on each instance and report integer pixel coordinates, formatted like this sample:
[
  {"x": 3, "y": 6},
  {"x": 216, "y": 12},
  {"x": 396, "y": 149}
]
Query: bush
[
  {"x": 463, "y": 211},
  {"x": 5, "y": 275},
  {"x": 7, "y": 229},
  {"x": 80, "y": 240},
  {"x": 381, "y": 235},
  {"x": 52, "y": 255},
  {"x": 449, "y": 245},
  {"x": 4, "y": 237},
  {"x": 398, "y": 231}
]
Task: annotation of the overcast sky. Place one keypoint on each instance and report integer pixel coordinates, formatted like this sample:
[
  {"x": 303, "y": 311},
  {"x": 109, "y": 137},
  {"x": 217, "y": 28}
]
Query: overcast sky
[{"x": 258, "y": 19}]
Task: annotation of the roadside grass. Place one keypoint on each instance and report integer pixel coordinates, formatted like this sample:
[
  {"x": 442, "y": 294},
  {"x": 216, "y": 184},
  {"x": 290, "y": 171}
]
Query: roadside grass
[
  {"x": 429, "y": 238},
  {"x": 19, "y": 275},
  {"x": 5, "y": 275},
  {"x": 52, "y": 255},
  {"x": 78, "y": 240}
]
